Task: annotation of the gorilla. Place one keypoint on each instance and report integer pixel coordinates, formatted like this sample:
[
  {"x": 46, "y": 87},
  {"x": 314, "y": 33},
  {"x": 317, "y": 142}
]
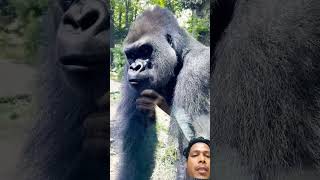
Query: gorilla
[
  {"x": 265, "y": 80},
  {"x": 69, "y": 138},
  {"x": 165, "y": 67}
]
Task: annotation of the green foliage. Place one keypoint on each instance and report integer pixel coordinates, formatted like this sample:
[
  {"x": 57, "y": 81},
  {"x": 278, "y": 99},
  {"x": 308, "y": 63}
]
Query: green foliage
[
  {"x": 31, "y": 37},
  {"x": 173, "y": 5},
  {"x": 24, "y": 8},
  {"x": 123, "y": 13},
  {"x": 170, "y": 155},
  {"x": 160, "y": 3},
  {"x": 118, "y": 61},
  {"x": 115, "y": 96},
  {"x": 15, "y": 99},
  {"x": 15, "y": 111},
  {"x": 198, "y": 26},
  {"x": 27, "y": 15}
]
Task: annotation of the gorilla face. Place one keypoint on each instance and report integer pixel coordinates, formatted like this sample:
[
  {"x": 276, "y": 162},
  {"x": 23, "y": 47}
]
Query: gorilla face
[
  {"x": 151, "y": 61},
  {"x": 82, "y": 42}
]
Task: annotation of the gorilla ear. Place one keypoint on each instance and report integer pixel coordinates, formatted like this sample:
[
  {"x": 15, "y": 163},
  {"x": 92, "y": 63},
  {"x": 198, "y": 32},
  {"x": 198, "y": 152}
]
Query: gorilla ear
[{"x": 170, "y": 41}]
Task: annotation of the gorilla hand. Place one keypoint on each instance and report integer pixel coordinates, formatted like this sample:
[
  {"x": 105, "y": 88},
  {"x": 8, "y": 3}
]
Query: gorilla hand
[
  {"x": 96, "y": 130},
  {"x": 149, "y": 99}
]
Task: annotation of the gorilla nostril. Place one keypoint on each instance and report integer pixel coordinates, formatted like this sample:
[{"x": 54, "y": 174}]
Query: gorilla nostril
[
  {"x": 69, "y": 21},
  {"x": 137, "y": 68},
  {"x": 89, "y": 19}
]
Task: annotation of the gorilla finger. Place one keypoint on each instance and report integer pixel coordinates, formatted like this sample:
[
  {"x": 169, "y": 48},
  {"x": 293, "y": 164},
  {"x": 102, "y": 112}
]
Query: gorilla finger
[
  {"x": 145, "y": 107},
  {"x": 145, "y": 100},
  {"x": 150, "y": 93}
]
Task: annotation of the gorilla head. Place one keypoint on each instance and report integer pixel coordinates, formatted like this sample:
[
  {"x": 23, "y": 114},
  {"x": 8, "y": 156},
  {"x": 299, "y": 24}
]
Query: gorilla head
[
  {"x": 151, "y": 50},
  {"x": 81, "y": 45},
  {"x": 71, "y": 129}
]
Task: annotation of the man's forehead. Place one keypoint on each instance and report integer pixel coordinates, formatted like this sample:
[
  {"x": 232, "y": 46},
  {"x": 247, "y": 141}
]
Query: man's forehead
[{"x": 200, "y": 146}]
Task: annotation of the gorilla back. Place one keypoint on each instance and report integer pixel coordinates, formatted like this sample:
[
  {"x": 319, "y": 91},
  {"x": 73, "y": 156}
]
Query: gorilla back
[
  {"x": 167, "y": 67},
  {"x": 265, "y": 89}
]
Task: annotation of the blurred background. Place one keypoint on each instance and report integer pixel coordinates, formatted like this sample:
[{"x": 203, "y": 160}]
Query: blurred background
[{"x": 19, "y": 40}]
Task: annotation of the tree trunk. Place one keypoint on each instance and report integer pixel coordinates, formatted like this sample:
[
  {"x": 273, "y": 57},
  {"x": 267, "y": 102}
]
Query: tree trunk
[
  {"x": 120, "y": 19},
  {"x": 127, "y": 2}
]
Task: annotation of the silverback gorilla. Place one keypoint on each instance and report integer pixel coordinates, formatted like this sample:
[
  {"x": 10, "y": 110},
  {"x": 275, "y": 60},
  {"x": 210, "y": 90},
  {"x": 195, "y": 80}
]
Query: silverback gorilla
[
  {"x": 165, "y": 67},
  {"x": 265, "y": 83},
  {"x": 68, "y": 141}
]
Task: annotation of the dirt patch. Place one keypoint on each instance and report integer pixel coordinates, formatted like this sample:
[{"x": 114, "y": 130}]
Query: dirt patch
[
  {"x": 17, "y": 82},
  {"x": 16, "y": 79}
]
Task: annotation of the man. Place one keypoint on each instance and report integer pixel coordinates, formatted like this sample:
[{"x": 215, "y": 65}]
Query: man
[{"x": 198, "y": 158}]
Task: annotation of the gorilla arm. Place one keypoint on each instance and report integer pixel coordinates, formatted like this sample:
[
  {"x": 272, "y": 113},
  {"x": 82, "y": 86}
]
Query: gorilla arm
[{"x": 191, "y": 101}]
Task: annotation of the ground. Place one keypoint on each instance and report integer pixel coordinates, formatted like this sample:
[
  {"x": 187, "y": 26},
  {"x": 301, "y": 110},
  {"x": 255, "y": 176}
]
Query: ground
[
  {"x": 15, "y": 106},
  {"x": 114, "y": 149}
]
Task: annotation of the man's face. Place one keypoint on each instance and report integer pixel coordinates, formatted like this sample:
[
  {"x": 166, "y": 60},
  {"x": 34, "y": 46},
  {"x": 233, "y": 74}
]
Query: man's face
[{"x": 198, "y": 164}]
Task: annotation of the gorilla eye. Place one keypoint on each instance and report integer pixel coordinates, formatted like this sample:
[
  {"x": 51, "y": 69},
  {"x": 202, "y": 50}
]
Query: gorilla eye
[
  {"x": 145, "y": 51},
  {"x": 142, "y": 52},
  {"x": 66, "y": 4},
  {"x": 130, "y": 55}
]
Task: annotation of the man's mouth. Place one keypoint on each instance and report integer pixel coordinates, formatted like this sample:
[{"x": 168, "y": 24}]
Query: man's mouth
[{"x": 202, "y": 169}]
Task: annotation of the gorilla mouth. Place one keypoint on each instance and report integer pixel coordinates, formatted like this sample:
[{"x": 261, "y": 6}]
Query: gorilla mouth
[
  {"x": 83, "y": 62},
  {"x": 138, "y": 82},
  {"x": 134, "y": 82}
]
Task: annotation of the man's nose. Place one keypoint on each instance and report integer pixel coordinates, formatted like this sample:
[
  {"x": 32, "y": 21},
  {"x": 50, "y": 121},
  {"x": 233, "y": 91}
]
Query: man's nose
[{"x": 202, "y": 159}]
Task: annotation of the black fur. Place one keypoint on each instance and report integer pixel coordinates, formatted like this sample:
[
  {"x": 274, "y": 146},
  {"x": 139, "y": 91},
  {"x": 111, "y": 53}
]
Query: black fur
[{"x": 265, "y": 89}]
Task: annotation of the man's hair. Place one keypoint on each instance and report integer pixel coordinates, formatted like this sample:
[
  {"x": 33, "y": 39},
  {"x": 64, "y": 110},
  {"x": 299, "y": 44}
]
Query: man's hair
[{"x": 193, "y": 141}]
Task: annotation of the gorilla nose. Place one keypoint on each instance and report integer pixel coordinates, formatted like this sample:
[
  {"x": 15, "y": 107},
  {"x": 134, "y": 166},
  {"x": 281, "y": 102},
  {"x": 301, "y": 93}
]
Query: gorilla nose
[
  {"x": 89, "y": 19},
  {"x": 136, "y": 73},
  {"x": 138, "y": 66},
  {"x": 84, "y": 18}
]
